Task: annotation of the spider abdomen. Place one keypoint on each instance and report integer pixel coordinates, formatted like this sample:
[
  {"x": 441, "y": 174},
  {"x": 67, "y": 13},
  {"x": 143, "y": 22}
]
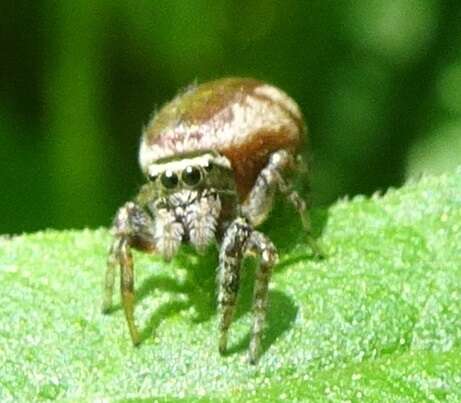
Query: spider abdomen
[{"x": 243, "y": 119}]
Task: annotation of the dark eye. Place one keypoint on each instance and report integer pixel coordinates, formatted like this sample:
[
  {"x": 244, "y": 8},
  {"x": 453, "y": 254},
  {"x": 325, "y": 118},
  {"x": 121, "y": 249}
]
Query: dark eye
[
  {"x": 191, "y": 176},
  {"x": 152, "y": 178},
  {"x": 169, "y": 180}
]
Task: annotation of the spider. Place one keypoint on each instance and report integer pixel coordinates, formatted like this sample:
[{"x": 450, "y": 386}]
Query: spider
[{"x": 213, "y": 157}]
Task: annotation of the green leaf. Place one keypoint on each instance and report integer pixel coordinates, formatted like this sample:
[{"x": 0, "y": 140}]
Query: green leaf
[{"x": 379, "y": 319}]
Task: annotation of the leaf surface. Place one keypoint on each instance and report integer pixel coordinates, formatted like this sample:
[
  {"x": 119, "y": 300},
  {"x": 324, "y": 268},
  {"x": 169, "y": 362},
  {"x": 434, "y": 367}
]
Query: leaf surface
[{"x": 379, "y": 319}]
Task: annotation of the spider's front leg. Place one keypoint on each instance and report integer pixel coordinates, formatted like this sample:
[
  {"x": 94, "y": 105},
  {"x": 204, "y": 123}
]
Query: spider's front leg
[
  {"x": 240, "y": 239},
  {"x": 230, "y": 260},
  {"x": 132, "y": 229},
  {"x": 260, "y": 245}
]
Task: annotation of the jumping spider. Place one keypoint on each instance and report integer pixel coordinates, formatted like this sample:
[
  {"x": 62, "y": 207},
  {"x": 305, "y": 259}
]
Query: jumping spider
[{"x": 213, "y": 157}]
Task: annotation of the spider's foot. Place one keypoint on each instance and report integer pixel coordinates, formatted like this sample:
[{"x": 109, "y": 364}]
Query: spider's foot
[
  {"x": 136, "y": 342},
  {"x": 316, "y": 248},
  {"x": 106, "y": 307},
  {"x": 135, "y": 338},
  {"x": 254, "y": 352},
  {"x": 223, "y": 344}
]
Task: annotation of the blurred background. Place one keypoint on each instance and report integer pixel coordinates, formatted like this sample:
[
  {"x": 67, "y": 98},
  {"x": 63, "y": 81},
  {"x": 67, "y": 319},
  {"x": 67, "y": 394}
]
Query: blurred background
[{"x": 378, "y": 81}]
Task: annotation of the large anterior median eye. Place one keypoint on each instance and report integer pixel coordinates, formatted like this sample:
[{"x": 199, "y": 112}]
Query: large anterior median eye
[
  {"x": 191, "y": 176},
  {"x": 169, "y": 179}
]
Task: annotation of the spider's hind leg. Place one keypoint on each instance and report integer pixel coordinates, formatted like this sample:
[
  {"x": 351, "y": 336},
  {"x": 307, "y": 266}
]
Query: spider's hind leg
[
  {"x": 299, "y": 205},
  {"x": 131, "y": 229},
  {"x": 260, "y": 200}
]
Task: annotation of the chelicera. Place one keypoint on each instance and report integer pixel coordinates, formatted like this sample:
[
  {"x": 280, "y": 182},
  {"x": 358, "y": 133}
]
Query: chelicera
[{"x": 213, "y": 157}]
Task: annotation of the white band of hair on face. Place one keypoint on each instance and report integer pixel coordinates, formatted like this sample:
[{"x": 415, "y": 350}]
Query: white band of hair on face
[{"x": 179, "y": 165}]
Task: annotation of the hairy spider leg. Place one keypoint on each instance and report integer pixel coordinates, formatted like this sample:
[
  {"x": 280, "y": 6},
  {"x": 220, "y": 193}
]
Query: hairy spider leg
[
  {"x": 228, "y": 279},
  {"x": 132, "y": 229},
  {"x": 109, "y": 278},
  {"x": 260, "y": 200},
  {"x": 239, "y": 240},
  {"x": 127, "y": 289},
  {"x": 262, "y": 246}
]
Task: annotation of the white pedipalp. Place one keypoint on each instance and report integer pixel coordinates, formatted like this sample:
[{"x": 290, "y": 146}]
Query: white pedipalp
[
  {"x": 168, "y": 233},
  {"x": 201, "y": 220}
]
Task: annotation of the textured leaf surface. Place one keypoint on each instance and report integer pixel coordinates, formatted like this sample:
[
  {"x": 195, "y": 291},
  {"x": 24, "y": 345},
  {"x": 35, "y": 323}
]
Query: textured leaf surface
[{"x": 380, "y": 319}]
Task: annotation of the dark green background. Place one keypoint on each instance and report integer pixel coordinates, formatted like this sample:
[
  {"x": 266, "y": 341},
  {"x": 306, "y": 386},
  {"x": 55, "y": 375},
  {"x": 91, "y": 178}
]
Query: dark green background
[{"x": 379, "y": 83}]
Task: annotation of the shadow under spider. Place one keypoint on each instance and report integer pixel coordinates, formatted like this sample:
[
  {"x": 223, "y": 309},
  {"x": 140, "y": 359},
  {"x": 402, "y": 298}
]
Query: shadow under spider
[
  {"x": 200, "y": 290},
  {"x": 285, "y": 230},
  {"x": 280, "y": 318}
]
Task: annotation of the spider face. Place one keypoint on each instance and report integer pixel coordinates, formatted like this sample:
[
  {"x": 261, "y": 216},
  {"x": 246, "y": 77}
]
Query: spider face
[
  {"x": 191, "y": 172},
  {"x": 190, "y": 197},
  {"x": 213, "y": 157}
]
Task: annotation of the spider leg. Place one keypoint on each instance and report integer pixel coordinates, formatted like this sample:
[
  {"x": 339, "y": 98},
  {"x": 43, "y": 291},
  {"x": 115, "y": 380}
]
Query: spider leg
[
  {"x": 109, "y": 278},
  {"x": 230, "y": 258},
  {"x": 260, "y": 200},
  {"x": 262, "y": 246},
  {"x": 300, "y": 206},
  {"x": 132, "y": 229},
  {"x": 127, "y": 289}
]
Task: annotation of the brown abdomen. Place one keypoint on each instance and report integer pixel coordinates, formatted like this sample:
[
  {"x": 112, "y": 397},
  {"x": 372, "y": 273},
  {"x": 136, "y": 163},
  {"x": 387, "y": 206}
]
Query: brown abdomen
[{"x": 244, "y": 119}]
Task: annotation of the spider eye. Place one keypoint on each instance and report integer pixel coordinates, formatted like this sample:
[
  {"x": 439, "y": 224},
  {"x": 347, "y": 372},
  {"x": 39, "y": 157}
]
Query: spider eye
[
  {"x": 152, "y": 178},
  {"x": 191, "y": 176},
  {"x": 169, "y": 180}
]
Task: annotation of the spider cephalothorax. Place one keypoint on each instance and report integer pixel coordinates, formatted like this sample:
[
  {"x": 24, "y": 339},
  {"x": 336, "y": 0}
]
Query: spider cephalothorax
[
  {"x": 190, "y": 198},
  {"x": 213, "y": 158}
]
